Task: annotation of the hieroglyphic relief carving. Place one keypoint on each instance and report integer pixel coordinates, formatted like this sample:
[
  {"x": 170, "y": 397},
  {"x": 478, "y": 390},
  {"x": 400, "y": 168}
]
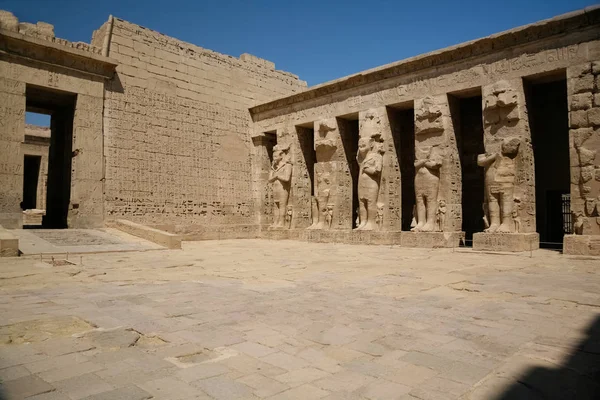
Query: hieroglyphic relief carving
[
  {"x": 280, "y": 176},
  {"x": 584, "y": 119},
  {"x": 370, "y": 161},
  {"x": 379, "y": 217},
  {"x": 499, "y": 184},
  {"x": 587, "y": 181}
]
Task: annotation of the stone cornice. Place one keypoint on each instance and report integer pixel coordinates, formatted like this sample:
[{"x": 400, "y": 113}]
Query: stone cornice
[
  {"x": 16, "y": 45},
  {"x": 557, "y": 26}
]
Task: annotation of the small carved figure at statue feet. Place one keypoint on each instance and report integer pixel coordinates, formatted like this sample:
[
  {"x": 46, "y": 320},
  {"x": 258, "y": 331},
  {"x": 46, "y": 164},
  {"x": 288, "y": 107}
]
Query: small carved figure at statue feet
[
  {"x": 288, "y": 217},
  {"x": 441, "y": 215},
  {"x": 329, "y": 215}
]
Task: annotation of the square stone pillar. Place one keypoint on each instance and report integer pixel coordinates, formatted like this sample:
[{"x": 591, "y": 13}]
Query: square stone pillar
[
  {"x": 509, "y": 202},
  {"x": 301, "y": 142},
  {"x": 86, "y": 206},
  {"x": 333, "y": 179},
  {"x": 262, "y": 197},
  {"x": 375, "y": 131},
  {"x": 12, "y": 135},
  {"x": 438, "y": 212},
  {"x": 584, "y": 143}
]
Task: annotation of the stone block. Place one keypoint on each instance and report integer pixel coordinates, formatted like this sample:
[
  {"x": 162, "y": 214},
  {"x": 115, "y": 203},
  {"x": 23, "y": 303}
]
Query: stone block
[
  {"x": 26, "y": 386},
  {"x": 584, "y": 245},
  {"x": 596, "y": 68},
  {"x": 9, "y": 244},
  {"x": 593, "y": 116},
  {"x": 578, "y": 119},
  {"x": 8, "y": 21},
  {"x": 596, "y": 99},
  {"x": 431, "y": 239},
  {"x": 583, "y": 84},
  {"x": 506, "y": 241},
  {"x": 45, "y": 29},
  {"x": 169, "y": 240},
  {"x": 576, "y": 71},
  {"x": 125, "y": 393},
  {"x": 581, "y": 101}
]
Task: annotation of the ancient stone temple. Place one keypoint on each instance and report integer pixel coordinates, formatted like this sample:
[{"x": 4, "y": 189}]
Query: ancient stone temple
[{"x": 490, "y": 143}]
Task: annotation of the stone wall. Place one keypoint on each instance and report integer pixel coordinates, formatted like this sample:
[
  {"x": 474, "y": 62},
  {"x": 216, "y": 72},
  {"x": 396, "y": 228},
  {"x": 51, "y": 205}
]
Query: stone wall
[
  {"x": 32, "y": 57},
  {"x": 176, "y": 124}
]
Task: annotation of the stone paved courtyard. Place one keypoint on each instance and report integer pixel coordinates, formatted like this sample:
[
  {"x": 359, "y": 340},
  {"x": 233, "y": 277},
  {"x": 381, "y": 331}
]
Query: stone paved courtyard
[{"x": 248, "y": 319}]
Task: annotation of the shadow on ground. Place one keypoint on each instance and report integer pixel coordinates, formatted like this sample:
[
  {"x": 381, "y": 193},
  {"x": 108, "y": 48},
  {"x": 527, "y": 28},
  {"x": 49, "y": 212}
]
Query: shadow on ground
[{"x": 577, "y": 378}]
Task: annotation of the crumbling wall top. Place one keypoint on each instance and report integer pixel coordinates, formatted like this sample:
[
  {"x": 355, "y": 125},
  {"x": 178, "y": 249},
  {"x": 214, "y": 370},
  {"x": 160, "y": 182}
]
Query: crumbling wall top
[{"x": 40, "y": 30}]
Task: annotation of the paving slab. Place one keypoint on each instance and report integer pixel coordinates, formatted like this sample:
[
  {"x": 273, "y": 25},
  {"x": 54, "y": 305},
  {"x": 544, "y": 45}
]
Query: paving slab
[{"x": 79, "y": 241}]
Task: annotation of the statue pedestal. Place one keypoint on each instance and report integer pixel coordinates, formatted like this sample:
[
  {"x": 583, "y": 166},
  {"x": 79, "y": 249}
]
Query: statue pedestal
[
  {"x": 585, "y": 245},
  {"x": 506, "y": 241},
  {"x": 431, "y": 239}
]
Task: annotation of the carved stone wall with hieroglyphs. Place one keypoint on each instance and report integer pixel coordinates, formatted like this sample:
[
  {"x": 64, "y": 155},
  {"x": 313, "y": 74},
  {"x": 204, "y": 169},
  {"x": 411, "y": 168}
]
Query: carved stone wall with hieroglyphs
[
  {"x": 584, "y": 122},
  {"x": 176, "y": 130}
]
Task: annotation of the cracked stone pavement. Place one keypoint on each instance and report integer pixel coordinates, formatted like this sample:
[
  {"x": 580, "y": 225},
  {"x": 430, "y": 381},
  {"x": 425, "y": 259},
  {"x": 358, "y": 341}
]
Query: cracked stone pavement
[{"x": 259, "y": 319}]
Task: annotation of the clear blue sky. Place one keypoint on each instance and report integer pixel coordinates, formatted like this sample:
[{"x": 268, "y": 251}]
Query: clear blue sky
[{"x": 319, "y": 40}]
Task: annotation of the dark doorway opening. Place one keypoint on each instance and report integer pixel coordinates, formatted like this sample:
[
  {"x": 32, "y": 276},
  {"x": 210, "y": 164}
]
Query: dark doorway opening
[
  {"x": 61, "y": 108},
  {"x": 466, "y": 111},
  {"x": 402, "y": 125},
  {"x": 306, "y": 139},
  {"x": 31, "y": 175},
  {"x": 349, "y": 132},
  {"x": 270, "y": 143},
  {"x": 548, "y": 120}
]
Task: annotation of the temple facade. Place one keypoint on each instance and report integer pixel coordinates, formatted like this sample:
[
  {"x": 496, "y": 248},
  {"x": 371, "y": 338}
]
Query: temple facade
[{"x": 491, "y": 143}]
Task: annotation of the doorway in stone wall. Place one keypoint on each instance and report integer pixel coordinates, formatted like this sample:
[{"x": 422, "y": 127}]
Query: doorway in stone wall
[
  {"x": 60, "y": 107},
  {"x": 31, "y": 174},
  {"x": 467, "y": 120},
  {"x": 349, "y": 132},
  {"x": 546, "y": 99},
  {"x": 402, "y": 125}
]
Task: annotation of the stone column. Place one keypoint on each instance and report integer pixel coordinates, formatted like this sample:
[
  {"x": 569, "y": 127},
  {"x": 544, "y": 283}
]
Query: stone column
[
  {"x": 12, "y": 134},
  {"x": 509, "y": 203},
  {"x": 374, "y": 128},
  {"x": 333, "y": 181},
  {"x": 584, "y": 142},
  {"x": 438, "y": 212},
  {"x": 263, "y": 207}
]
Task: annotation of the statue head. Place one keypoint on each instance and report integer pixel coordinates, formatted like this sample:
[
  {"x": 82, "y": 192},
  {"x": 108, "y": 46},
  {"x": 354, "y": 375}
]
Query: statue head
[
  {"x": 380, "y": 208},
  {"x": 330, "y": 208},
  {"x": 289, "y": 209},
  {"x": 377, "y": 143},
  {"x": 280, "y": 154},
  {"x": 364, "y": 146},
  {"x": 510, "y": 147},
  {"x": 442, "y": 203}
]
